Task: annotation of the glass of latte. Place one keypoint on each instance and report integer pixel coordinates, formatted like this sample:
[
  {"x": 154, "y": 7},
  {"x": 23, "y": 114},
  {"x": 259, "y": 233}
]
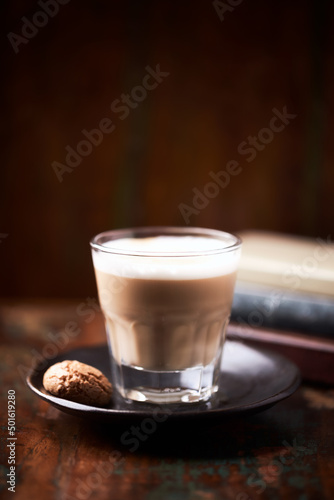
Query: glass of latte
[{"x": 166, "y": 295}]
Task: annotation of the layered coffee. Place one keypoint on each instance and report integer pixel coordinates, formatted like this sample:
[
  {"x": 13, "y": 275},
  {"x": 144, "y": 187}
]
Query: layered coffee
[{"x": 166, "y": 307}]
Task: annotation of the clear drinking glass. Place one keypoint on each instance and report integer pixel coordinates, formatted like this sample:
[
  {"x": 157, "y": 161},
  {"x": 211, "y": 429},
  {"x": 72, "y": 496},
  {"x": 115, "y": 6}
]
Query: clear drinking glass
[{"x": 166, "y": 295}]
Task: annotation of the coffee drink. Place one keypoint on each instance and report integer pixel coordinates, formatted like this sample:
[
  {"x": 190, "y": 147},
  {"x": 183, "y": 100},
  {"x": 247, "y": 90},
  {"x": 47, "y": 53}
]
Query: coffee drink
[{"x": 166, "y": 300}]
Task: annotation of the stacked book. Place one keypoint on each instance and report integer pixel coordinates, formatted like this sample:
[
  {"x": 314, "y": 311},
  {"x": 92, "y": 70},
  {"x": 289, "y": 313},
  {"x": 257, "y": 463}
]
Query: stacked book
[{"x": 284, "y": 298}]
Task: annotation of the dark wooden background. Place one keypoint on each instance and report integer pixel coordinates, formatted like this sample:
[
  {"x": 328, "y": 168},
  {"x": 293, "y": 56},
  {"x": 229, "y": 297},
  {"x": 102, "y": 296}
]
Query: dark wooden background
[{"x": 225, "y": 77}]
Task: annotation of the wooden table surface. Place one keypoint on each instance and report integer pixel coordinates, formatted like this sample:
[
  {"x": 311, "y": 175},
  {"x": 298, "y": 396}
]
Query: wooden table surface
[{"x": 284, "y": 452}]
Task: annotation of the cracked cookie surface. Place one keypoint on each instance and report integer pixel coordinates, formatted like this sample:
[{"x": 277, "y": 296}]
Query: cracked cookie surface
[{"x": 78, "y": 382}]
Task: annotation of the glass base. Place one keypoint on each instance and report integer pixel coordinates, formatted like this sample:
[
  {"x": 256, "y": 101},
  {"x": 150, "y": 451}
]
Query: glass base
[{"x": 190, "y": 385}]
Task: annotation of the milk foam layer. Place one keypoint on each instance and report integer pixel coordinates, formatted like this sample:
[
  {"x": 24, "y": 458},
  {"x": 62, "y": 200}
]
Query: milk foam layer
[
  {"x": 167, "y": 257},
  {"x": 167, "y": 244}
]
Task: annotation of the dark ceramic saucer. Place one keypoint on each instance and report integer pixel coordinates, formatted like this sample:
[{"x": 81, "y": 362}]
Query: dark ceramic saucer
[{"x": 251, "y": 380}]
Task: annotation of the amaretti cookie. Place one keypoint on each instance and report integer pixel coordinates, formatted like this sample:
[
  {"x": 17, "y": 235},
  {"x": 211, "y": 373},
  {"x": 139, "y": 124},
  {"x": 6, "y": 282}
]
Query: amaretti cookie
[{"x": 78, "y": 382}]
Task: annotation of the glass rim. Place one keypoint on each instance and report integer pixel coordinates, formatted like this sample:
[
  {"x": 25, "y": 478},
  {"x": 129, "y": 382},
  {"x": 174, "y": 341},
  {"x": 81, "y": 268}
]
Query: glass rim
[{"x": 147, "y": 231}]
